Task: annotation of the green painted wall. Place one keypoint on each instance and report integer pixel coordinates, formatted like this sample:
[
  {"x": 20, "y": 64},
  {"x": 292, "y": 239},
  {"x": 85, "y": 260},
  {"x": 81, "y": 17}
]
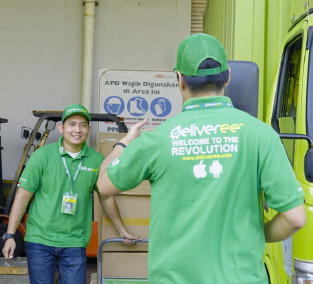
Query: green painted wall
[{"x": 251, "y": 30}]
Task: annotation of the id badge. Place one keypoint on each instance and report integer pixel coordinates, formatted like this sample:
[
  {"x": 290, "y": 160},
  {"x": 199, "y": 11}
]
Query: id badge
[{"x": 69, "y": 203}]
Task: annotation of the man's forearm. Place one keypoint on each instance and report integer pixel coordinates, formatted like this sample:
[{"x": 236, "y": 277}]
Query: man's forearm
[
  {"x": 109, "y": 205},
  {"x": 18, "y": 209}
]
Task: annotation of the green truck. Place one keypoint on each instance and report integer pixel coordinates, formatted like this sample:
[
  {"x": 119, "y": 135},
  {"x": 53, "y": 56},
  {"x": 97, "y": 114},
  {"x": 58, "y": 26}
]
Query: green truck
[
  {"x": 289, "y": 111},
  {"x": 278, "y": 36}
]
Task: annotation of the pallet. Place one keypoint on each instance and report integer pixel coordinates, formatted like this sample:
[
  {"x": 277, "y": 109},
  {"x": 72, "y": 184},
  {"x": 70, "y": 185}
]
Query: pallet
[
  {"x": 14, "y": 271},
  {"x": 16, "y": 266}
]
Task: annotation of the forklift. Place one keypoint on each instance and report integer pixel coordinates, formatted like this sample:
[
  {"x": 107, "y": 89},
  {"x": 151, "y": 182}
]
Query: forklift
[{"x": 50, "y": 118}]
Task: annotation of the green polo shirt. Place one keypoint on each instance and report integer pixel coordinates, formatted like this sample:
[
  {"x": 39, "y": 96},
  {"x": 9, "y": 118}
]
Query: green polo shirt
[
  {"x": 46, "y": 177},
  {"x": 207, "y": 167}
]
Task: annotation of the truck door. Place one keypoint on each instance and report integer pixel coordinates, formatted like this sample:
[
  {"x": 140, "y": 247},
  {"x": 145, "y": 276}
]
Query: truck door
[{"x": 285, "y": 114}]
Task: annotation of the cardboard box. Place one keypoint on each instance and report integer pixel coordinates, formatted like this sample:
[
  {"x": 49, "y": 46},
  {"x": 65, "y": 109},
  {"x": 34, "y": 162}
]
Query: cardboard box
[
  {"x": 125, "y": 264},
  {"x": 134, "y": 206},
  {"x": 105, "y": 142}
]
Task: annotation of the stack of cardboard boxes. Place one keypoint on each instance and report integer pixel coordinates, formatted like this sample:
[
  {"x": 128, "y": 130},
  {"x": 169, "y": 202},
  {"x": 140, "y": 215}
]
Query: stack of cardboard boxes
[{"x": 119, "y": 260}]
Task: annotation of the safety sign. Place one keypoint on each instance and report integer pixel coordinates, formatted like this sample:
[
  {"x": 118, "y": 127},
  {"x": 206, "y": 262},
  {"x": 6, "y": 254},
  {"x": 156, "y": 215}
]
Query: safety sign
[
  {"x": 161, "y": 107},
  {"x": 114, "y": 105},
  {"x": 136, "y": 95},
  {"x": 137, "y": 106}
]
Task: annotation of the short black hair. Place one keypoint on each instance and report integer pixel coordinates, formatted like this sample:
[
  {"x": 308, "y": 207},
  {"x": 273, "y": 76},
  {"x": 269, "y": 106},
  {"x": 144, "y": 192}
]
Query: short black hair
[{"x": 208, "y": 82}]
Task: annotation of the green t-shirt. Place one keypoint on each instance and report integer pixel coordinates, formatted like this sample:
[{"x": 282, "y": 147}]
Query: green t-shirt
[
  {"x": 46, "y": 177},
  {"x": 206, "y": 167}
]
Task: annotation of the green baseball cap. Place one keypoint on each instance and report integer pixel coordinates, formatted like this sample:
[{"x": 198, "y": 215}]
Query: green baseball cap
[
  {"x": 194, "y": 50},
  {"x": 77, "y": 109}
]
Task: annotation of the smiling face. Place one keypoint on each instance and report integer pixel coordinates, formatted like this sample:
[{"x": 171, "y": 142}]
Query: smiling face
[{"x": 75, "y": 131}]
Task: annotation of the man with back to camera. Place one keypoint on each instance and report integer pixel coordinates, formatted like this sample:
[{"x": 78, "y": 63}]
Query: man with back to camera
[
  {"x": 208, "y": 167},
  {"x": 61, "y": 176}
]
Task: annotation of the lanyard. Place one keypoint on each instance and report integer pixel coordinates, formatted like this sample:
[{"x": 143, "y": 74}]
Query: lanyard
[
  {"x": 207, "y": 105},
  {"x": 68, "y": 172}
]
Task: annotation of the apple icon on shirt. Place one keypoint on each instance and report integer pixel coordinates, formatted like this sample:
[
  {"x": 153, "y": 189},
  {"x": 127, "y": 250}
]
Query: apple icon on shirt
[{"x": 199, "y": 170}]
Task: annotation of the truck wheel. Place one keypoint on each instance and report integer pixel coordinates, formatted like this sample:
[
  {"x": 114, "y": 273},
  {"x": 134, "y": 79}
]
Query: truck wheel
[{"x": 18, "y": 240}]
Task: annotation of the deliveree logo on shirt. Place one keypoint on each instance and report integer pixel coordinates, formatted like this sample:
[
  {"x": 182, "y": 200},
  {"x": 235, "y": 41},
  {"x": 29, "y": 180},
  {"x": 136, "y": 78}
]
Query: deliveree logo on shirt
[
  {"x": 88, "y": 169},
  {"x": 209, "y": 141},
  {"x": 194, "y": 130}
]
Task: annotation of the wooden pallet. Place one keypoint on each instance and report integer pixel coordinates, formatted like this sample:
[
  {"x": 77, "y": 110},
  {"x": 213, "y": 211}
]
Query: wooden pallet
[
  {"x": 16, "y": 266},
  {"x": 14, "y": 271}
]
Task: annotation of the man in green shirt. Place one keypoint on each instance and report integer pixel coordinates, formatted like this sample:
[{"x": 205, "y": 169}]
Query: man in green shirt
[
  {"x": 61, "y": 176},
  {"x": 208, "y": 167}
]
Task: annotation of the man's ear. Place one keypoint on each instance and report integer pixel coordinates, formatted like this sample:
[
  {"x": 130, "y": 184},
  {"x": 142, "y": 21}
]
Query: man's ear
[
  {"x": 181, "y": 83},
  {"x": 60, "y": 127},
  {"x": 228, "y": 77}
]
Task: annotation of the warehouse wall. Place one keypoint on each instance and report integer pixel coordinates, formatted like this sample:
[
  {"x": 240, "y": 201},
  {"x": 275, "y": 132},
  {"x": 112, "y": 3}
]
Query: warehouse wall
[{"x": 41, "y": 47}]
